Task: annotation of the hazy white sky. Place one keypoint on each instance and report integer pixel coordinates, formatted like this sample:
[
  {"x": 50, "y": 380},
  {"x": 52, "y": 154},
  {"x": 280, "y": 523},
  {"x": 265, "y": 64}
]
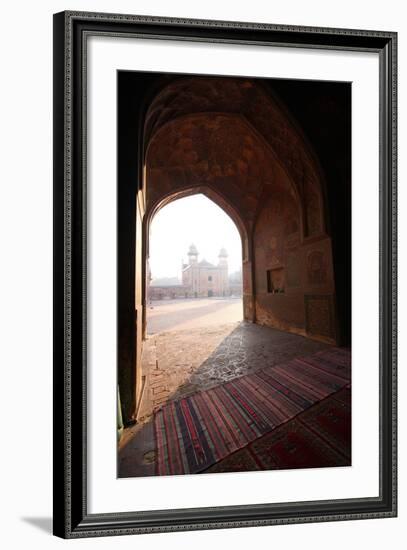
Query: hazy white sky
[{"x": 197, "y": 220}]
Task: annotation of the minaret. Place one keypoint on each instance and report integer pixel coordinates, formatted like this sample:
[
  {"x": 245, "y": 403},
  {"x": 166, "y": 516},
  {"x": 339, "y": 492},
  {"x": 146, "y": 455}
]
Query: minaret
[
  {"x": 192, "y": 255},
  {"x": 191, "y": 271},
  {"x": 223, "y": 264},
  {"x": 223, "y": 257}
]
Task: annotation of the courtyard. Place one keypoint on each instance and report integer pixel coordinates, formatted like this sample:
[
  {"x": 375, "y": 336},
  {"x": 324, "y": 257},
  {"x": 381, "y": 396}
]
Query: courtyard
[{"x": 186, "y": 314}]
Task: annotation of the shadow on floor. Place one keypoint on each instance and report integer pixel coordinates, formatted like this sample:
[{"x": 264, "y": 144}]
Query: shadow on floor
[{"x": 248, "y": 348}]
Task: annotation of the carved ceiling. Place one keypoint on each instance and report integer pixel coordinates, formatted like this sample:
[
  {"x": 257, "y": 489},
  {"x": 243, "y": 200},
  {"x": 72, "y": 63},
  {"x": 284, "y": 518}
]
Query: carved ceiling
[{"x": 229, "y": 134}]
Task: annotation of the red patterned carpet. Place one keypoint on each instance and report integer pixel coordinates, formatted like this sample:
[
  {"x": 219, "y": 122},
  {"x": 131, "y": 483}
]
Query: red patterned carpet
[
  {"x": 319, "y": 437},
  {"x": 196, "y": 432}
]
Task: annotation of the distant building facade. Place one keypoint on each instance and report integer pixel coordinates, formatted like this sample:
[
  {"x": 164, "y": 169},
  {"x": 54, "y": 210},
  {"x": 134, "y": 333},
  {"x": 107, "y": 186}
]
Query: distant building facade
[
  {"x": 200, "y": 279},
  {"x": 203, "y": 279},
  {"x": 166, "y": 288}
]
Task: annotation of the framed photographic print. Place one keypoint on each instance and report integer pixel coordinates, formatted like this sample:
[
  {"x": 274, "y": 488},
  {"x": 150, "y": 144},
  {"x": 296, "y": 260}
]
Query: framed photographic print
[{"x": 224, "y": 274}]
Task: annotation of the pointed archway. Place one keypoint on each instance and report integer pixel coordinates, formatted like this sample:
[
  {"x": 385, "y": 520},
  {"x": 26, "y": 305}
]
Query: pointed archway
[
  {"x": 217, "y": 198},
  {"x": 229, "y": 139}
]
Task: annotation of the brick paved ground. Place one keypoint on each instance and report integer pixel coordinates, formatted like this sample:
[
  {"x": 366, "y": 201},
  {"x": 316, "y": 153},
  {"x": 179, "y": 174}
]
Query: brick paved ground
[{"x": 182, "y": 362}]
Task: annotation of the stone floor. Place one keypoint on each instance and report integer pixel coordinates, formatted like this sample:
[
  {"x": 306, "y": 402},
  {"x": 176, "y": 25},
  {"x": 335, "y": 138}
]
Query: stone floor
[
  {"x": 182, "y": 362},
  {"x": 176, "y": 363},
  {"x": 179, "y": 363}
]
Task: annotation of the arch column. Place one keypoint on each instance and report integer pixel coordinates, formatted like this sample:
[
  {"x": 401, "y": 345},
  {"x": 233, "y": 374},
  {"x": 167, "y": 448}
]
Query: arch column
[{"x": 249, "y": 299}]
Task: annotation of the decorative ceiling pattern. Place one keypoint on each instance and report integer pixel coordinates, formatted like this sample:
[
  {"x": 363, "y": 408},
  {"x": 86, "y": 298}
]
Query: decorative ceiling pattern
[{"x": 232, "y": 135}]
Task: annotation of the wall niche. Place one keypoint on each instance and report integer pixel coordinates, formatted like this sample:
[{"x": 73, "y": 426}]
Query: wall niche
[{"x": 275, "y": 281}]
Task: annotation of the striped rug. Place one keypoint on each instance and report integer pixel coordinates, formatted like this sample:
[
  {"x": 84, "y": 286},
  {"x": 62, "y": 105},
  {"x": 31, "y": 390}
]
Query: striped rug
[
  {"x": 197, "y": 431},
  {"x": 319, "y": 437}
]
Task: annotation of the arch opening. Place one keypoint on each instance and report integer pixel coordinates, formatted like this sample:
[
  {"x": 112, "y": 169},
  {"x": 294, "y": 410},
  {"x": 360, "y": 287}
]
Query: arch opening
[
  {"x": 193, "y": 264},
  {"x": 231, "y": 141},
  {"x": 215, "y": 197}
]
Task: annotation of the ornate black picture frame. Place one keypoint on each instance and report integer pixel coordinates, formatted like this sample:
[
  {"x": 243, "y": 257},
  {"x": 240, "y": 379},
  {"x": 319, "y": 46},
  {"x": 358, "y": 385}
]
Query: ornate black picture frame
[{"x": 71, "y": 517}]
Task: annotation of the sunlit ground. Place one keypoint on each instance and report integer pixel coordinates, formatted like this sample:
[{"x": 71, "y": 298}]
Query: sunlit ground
[
  {"x": 183, "y": 334},
  {"x": 170, "y": 315}
]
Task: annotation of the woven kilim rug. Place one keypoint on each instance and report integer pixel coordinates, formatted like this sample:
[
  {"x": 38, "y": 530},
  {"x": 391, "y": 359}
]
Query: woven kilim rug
[
  {"x": 319, "y": 437},
  {"x": 195, "y": 432}
]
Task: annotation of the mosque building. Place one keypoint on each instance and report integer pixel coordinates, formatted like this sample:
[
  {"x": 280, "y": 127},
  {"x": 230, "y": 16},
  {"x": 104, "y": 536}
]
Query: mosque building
[
  {"x": 203, "y": 279},
  {"x": 200, "y": 279}
]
